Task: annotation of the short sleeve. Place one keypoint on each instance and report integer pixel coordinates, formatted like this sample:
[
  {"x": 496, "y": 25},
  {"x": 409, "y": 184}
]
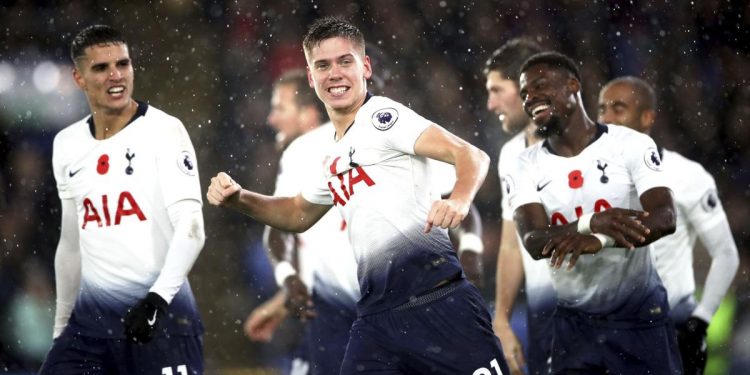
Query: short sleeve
[
  {"x": 400, "y": 126},
  {"x": 644, "y": 163},
  {"x": 702, "y": 204},
  {"x": 317, "y": 192},
  {"x": 519, "y": 184},
  {"x": 58, "y": 168},
  {"x": 177, "y": 165}
]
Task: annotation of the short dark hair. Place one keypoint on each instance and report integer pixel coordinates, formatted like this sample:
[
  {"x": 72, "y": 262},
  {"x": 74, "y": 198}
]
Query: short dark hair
[
  {"x": 507, "y": 59},
  {"x": 304, "y": 94},
  {"x": 332, "y": 27},
  {"x": 94, "y": 35},
  {"x": 641, "y": 89},
  {"x": 554, "y": 59}
]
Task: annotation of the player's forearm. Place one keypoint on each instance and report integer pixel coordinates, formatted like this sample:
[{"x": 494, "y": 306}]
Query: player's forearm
[
  {"x": 535, "y": 240},
  {"x": 471, "y": 168},
  {"x": 725, "y": 261},
  {"x": 509, "y": 274},
  {"x": 661, "y": 219},
  {"x": 184, "y": 248},
  {"x": 279, "y": 212}
]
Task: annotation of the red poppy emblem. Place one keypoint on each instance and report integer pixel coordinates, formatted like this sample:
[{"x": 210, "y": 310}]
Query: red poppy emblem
[
  {"x": 102, "y": 166},
  {"x": 575, "y": 179}
]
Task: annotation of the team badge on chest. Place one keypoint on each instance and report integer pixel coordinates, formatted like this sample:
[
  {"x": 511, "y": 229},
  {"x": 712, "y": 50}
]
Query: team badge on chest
[{"x": 384, "y": 118}]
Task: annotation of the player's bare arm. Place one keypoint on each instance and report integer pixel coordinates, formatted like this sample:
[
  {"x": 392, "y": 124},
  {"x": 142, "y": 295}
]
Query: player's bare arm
[
  {"x": 507, "y": 284},
  {"x": 290, "y": 214},
  {"x": 471, "y": 168},
  {"x": 661, "y": 220},
  {"x": 625, "y": 227}
]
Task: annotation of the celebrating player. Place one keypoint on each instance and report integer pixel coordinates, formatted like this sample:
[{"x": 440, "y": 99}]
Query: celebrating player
[
  {"x": 592, "y": 197},
  {"x": 326, "y": 284},
  {"x": 375, "y": 171},
  {"x": 131, "y": 230},
  {"x": 631, "y": 102},
  {"x": 514, "y": 263}
]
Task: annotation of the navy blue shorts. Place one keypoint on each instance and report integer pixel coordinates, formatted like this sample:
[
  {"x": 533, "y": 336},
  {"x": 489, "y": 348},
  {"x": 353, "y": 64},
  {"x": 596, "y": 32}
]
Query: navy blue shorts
[
  {"x": 587, "y": 345},
  {"x": 73, "y": 354},
  {"x": 447, "y": 331}
]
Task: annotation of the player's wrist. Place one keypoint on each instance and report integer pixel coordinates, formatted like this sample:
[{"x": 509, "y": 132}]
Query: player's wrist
[
  {"x": 604, "y": 239},
  {"x": 584, "y": 223},
  {"x": 282, "y": 271}
]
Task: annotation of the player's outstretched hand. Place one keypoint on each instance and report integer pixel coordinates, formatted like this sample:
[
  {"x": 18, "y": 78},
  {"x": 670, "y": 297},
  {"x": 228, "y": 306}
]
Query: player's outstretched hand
[
  {"x": 574, "y": 244},
  {"x": 298, "y": 300},
  {"x": 625, "y": 226},
  {"x": 446, "y": 213},
  {"x": 691, "y": 338},
  {"x": 264, "y": 319},
  {"x": 143, "y": 319},
  {"x": 222, "y": 189},
  {"x": 512, "y": 349}
]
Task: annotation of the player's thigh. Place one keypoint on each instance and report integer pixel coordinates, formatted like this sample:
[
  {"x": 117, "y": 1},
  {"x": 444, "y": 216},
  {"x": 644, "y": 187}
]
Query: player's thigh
[
  {"x": 451, "y": 335},
  {"x": 74, "y": 354},
  {"x": 368, "y": 353},
  {"x": 574, "y": 346},
  {"x": 173, "y": 355}
]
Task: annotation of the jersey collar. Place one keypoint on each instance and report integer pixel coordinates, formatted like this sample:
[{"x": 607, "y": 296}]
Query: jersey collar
[{"x": 141, "y": 111}]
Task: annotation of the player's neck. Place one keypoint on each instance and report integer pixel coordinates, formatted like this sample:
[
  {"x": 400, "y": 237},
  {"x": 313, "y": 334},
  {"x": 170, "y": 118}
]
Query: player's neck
[
  {"x": 342, "y": 120},
  {"x": 107, "y": 124},
  {"x": 530, "y": 134},
  {"x": 575, "y": 137}
]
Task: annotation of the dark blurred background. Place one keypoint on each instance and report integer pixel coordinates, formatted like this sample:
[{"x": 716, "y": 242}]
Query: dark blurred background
[{"x": 212, "y": 63}]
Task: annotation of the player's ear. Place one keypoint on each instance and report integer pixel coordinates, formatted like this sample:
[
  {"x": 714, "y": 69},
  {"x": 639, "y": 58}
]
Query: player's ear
[
  {"x": 309, "y": 77},
  {"x": 367, "y": 66},
  {"x": 78, "y": 78},
  {"x": 573, "y": 85},
  {"x": 648, "y": 117}
]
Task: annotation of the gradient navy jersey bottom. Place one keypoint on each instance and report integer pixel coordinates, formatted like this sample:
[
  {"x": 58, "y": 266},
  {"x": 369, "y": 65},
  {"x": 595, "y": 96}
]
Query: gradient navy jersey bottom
[
  {"x": 73, "y": 354},
  {"x": 446, "y": 331},
  {"x": 642, "y": 343},
  {"x": 328, "y": 334}
]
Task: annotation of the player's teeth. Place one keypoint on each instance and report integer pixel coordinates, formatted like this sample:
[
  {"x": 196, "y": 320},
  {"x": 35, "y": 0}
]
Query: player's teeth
[
  {"x": 337, "y": 90},
  {"x": 539, "y": 109},
  {"x": 116, "y": 90}
]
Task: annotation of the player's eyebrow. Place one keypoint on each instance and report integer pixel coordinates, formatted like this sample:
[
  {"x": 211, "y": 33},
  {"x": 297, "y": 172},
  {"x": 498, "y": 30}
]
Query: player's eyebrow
[{"x": 334, "y": 58}]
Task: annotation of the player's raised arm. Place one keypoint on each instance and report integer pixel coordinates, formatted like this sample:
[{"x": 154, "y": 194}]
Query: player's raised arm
[
  {"x": 291, "y": 214},
  {"x": 471, "y": 168}
]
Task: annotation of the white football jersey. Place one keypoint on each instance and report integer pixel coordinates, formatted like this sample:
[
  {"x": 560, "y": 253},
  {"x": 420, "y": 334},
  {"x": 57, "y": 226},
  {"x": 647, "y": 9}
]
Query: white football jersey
[
  {"x": 326, "y": 258},
  {"x": 613, "y": 171},
  {"x": 384, "y": 193},
  {"x": 540, "y": 291},
  {"x": 122, "y": 187},
  {"x": 697, "y": 207}
]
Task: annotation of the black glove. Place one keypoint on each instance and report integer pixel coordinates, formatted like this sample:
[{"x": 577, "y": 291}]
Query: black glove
[
  {"x": 142, "y": 320},
  {"x": 691, "y": 338}
]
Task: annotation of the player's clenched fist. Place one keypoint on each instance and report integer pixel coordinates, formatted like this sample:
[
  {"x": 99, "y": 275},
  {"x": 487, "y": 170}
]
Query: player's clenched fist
[
  {"x": 222, "y": 189},
  {"x": 446, "y": 213}
]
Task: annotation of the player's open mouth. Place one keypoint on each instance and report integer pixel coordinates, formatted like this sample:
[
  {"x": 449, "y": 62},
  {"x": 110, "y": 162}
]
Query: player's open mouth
[
  {"x": 116, "y": 91},
  {"x": 338, "y": 91},
  {"x": 538, "y": 110}
]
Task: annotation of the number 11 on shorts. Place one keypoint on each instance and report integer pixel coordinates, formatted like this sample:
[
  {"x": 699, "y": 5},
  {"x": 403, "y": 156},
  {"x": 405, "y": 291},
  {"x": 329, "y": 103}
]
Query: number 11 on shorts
[{"x": 485, "y": 371}]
